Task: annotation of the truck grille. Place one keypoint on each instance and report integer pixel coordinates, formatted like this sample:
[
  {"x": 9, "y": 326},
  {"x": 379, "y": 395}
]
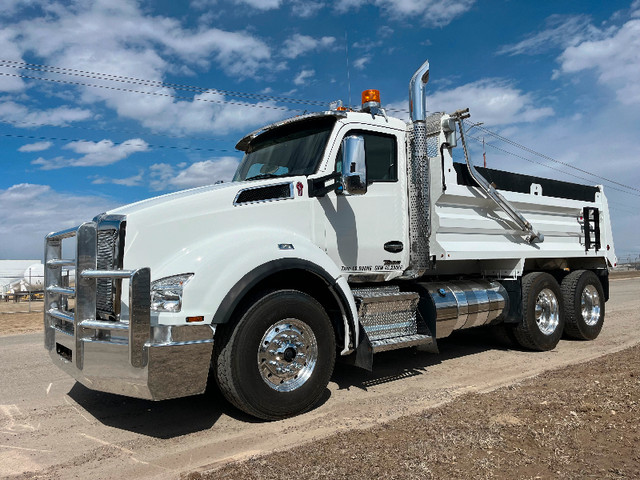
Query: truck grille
[{"x": 105, "y": 288}]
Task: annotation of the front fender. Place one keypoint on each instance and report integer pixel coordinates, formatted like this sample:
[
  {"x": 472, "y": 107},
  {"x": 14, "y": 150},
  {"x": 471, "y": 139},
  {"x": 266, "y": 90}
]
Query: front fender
[{"x": 226, "y": 266}]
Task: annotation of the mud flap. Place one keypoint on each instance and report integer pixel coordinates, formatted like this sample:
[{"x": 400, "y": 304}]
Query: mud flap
[{"x": 363, "y": 356}]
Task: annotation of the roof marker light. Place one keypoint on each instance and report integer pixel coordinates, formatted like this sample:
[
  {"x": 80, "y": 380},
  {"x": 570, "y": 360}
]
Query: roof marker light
[{"x": 370, "y": 99}]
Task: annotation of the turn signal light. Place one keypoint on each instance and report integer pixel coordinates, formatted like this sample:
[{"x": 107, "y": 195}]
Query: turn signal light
[{"x": 195, "y": 319}]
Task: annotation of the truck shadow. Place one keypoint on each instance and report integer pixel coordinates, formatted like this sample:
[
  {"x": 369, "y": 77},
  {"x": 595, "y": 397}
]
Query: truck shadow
[
  {"x": 164, "y": 419},
  {"x": 404, "y": 363},
  {"x": 182, "y": 416}
]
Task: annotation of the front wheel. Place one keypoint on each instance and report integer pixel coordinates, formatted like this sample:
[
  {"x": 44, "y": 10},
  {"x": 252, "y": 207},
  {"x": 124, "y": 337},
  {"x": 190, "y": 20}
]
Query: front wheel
[
  {"x": 543, "y": 313},
  {"x": 278, "y": 359}
]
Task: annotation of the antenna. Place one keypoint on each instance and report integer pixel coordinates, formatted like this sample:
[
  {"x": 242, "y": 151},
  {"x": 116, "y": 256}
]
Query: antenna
[{"x": 346, "y": 41}]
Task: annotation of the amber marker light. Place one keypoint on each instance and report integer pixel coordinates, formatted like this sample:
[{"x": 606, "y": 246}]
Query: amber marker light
[
  {"x": 195, "y": 319},
  {"x": 370, "y": 96}
]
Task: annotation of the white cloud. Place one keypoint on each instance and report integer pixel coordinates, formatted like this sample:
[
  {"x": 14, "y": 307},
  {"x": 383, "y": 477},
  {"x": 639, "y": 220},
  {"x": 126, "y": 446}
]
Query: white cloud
[
  {"x": 300, "y": 44},
  {"x": 95, "y": 154},
  {"x": 561, "y": 31},
  {"x": 207, "y": 113},
  {"x": 433, "y": 13},
  {"x": 361, "y": 62},
  {"x": 614, "y": 58},
  {"x": 29, "y": 212},
  {"x": 299, "y": 8},
  {"x": 303, "y": 76},
  {"x": 305, "y": 8},
  {"x": 260, "y": 4},
  {"x": 138, "y": 45},
  {"x": 21, "y": 116},
  {"x": 166, "y": 177},
  {"x": 10, "y": 52},
  {"x": 35, "y": 147},
  {"x": 492, "y": 101},
  {"x": 132, "y": 181},
  {"x": 74, "y": 36}
]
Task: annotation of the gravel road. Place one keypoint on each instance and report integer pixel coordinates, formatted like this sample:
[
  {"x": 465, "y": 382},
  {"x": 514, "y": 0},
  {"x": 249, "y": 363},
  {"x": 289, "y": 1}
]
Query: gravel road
[{"x": 51, "y": 427}]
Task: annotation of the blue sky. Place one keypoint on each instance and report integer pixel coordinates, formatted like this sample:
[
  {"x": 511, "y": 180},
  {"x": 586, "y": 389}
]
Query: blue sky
[{"x": 107, "y": 102}]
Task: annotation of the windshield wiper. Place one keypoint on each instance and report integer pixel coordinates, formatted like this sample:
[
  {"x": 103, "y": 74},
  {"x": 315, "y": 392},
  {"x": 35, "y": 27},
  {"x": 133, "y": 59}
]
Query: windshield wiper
[{"x": 262, "y": 176}]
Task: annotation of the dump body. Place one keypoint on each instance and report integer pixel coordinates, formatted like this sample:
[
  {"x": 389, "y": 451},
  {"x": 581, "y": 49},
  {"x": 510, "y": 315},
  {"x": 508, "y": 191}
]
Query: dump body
[{"x": 471, "y": 234}]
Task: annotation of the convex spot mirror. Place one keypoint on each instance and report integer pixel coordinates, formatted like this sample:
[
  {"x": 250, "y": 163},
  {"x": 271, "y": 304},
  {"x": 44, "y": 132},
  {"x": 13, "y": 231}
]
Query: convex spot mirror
[{"x": 354, "y": 167}]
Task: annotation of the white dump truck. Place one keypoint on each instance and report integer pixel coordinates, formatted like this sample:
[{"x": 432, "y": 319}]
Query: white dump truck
[{"x": 343, "y": 234}]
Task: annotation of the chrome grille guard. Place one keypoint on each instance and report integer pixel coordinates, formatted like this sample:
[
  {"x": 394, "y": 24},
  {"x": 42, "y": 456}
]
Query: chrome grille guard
[{"x": 81, "y": 322}]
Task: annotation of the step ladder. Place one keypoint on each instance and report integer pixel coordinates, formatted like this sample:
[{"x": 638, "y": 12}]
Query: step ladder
[{"x": 591, "y": 219}]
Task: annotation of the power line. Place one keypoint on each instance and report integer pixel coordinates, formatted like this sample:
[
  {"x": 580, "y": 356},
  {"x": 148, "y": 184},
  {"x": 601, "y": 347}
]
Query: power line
[
  {"x": 151, "y": 83},
  {"x": 156, "y": 94},
  {"x": 114, "y": 130},
  {"x": 126, "y": 143},
  {"x": 546, "y": 157},
  {"x": 547, "y": 166}
]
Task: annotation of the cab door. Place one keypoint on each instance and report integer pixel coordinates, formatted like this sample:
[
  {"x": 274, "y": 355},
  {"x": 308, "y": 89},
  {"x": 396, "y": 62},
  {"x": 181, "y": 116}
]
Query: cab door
[{"x": 367, "y": 235}]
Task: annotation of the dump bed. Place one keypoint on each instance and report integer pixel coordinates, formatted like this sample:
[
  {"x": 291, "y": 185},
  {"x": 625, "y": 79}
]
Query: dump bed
[{"x": 466, "y": 225}]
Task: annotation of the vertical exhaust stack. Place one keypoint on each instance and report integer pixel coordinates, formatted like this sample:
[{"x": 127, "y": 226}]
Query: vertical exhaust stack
[
  {"x": 418, "y": 173},
  {"x": 417, "y": 96}
]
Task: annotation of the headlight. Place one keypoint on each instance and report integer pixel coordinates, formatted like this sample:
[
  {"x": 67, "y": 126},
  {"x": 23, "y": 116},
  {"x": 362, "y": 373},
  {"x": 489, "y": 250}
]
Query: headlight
[{"x": 166, "y": 293}]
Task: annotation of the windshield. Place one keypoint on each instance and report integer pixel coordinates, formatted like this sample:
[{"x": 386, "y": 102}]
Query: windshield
[{"x": 293, "y": 149}]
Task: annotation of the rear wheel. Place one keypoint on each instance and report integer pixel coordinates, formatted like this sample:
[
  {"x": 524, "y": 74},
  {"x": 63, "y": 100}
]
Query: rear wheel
[
  {"x": 278, "y": 359},
  {"x": 543, "y": 313},
  {"x": 583, "y": 299}
]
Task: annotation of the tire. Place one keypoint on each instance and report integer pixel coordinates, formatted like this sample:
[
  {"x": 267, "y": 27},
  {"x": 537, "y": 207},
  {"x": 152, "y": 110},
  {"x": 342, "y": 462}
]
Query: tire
[
  {"x": 277, "y": 360},
  {"x": 583, "y": 299},
  {"x": 543, "y": 313}
]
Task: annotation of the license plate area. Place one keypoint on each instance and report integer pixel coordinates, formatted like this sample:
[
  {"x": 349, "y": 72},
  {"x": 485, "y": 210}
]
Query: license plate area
[{"x": 64, "y": 352}]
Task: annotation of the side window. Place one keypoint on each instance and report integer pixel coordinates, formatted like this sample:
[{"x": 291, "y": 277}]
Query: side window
[
  {"x": 381, "y": 154},
  {"x": 381, "y": 157}
]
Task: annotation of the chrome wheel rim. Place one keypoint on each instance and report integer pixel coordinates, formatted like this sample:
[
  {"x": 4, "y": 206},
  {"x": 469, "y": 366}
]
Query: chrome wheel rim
[
  {"x": 590, "y": 303},
  {"x": 547, "y": 312},
  {"x": 287, "y": 355}
]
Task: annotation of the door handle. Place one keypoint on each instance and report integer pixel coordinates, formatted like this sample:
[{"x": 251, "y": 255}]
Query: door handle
[{"x": 393, "y": 246}]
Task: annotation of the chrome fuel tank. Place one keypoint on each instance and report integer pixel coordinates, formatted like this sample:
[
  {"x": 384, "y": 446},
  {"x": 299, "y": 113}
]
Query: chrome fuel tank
[{"x": 463, "y": 304}]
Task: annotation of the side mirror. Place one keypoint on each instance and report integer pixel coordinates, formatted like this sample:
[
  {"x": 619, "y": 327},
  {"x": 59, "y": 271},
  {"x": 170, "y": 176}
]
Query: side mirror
[{"x": 354, "y": 167}]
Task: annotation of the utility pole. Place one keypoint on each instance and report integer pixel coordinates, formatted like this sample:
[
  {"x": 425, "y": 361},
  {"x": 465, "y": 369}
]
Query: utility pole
[{"x": 484, "y": 153}]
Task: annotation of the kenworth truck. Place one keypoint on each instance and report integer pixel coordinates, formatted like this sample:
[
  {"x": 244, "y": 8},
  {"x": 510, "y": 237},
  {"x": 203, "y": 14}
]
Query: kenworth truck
[{"x": 343, "y": 234}]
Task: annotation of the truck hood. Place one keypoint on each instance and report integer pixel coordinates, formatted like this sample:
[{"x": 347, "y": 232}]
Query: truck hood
[
  {"x": 177, "y": 197},
  {"x": 158, "y": 228}
]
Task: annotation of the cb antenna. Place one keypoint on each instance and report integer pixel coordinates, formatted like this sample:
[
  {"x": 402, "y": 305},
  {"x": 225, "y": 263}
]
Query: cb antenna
[{"x": 346, "y": 41}]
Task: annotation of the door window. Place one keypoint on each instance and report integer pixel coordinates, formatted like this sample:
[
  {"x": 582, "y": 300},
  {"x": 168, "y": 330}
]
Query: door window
[{"x": 381, "y": 156}]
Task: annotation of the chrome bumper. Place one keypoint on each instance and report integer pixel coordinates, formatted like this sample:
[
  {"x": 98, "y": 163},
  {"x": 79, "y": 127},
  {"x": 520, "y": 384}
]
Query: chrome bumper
[{"x": 127, "y": 357}]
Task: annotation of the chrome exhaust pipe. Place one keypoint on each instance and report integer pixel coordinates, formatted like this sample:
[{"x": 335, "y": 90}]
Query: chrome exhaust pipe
[
  {"x": 417, "y": 96},
  {"x": 418, "y": 173}
]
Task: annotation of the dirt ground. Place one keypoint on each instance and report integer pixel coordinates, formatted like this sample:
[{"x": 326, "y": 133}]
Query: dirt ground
[
  {"x": 581, "y": 421},
  {"x": 15, "y": 317}
]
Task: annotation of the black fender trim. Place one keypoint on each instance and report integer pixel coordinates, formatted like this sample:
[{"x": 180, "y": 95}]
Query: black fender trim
[{"x": 255, "y": 276}]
